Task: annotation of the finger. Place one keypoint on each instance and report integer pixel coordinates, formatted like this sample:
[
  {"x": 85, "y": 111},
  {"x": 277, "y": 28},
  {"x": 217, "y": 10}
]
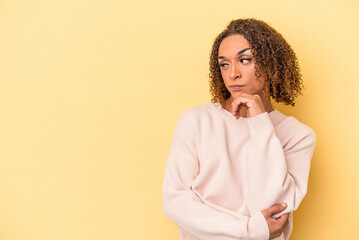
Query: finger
[
  {"x": 238, "y": 114},
  {"x": 283, "y": 219},
  {"x": 277, "y": 208},
  {"x": 265, "y": 213},
  {"x": 243, "y": 109},
  {"x": 252, "y": 99},
  {"x": 275, "y": 235},
  {"x": 240, "y": 99},
  {"x": 286, "y": 223},
  {"x": 236, "y": 105},
  {"x": 246, "y": 100}
]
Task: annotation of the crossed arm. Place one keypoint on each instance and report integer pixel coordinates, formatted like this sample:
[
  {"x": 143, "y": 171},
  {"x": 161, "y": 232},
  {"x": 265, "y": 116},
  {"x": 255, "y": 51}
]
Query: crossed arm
[{"x": 275, "y": 175}]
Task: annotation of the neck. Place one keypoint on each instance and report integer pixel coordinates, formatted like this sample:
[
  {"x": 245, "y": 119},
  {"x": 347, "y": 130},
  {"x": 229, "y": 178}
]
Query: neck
[{"x": 268, "y": 105}]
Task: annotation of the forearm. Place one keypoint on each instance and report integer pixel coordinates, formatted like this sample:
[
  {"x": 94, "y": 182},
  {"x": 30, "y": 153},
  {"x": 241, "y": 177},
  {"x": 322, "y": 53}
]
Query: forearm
[
  {"x": 205, "y": 222},
  {"x": 275, "y": 174}
]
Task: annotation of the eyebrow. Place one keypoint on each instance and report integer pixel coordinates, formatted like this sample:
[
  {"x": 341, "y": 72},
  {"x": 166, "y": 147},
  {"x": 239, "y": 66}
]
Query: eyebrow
[{"x": 239, "y": 53}]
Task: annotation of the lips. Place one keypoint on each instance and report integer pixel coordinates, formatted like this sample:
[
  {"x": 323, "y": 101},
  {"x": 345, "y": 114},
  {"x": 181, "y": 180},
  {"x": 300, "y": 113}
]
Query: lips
[{"x": 237, "y": 87}]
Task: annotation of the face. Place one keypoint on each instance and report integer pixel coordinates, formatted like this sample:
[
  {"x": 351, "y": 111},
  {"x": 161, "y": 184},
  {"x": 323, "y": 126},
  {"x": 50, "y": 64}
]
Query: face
[{"x": 236, "y": 62}]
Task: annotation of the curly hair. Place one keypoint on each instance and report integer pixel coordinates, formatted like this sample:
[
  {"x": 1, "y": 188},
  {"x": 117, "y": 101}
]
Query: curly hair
[{"x": 272, "y": 54}]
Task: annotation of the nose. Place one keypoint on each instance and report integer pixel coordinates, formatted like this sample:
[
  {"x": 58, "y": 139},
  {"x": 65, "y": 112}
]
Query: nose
[{"x": 235, "y": 71}]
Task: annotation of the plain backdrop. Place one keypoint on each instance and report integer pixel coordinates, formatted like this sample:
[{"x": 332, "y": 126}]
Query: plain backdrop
[{"x": 90, "y": 93}]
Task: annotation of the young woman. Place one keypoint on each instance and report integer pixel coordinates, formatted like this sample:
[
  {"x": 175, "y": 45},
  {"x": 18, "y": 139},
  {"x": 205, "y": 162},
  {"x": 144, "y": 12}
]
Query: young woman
[{"x": 238, "y": 168}]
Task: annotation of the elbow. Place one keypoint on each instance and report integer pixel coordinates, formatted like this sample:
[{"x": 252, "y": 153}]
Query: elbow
[
  {"x": 167, "y": 205},
  {"x": 293, "y": 204},
  {"x": 292, "y": 195},
  {"x": 173, "y": 205},
  {"x": 167, "y": 210},
  {"x": 299, "y": 196}
]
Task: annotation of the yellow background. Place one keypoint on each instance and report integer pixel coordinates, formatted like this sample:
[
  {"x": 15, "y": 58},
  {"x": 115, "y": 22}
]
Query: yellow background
[{"x": 90, "y": 92}]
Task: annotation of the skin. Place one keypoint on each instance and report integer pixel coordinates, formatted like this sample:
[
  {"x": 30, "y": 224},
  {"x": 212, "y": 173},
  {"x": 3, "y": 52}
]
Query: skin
[
  {"x": 249, "y": 95},
  {"x": 249, "y": 98},
  {"x": 276, "y": 226}
]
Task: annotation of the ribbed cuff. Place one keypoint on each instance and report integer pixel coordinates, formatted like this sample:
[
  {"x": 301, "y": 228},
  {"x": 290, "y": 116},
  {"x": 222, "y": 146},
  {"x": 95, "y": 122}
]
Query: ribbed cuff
[
  {"x": 258, "y": 227},
  {"x": 260, "y": 124}
]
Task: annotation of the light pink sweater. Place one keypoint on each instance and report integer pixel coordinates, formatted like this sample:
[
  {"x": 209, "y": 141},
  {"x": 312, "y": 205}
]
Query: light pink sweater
[{"x": 221, "y": 172}]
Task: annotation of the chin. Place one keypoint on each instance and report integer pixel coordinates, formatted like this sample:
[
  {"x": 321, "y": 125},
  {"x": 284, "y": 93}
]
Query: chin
[{"x": 237, "y": 93}]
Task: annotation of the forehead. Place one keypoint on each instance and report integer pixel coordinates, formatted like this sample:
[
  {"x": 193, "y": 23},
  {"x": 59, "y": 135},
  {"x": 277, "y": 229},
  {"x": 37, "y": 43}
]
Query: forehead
[{"x": 231, "y": 45}]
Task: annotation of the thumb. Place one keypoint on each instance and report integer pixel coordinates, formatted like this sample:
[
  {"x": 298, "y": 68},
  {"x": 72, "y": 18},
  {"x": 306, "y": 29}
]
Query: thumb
[{"x": 277, "y": 208}]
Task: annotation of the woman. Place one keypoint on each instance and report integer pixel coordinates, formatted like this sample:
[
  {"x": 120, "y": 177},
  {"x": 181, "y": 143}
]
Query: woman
[{"x": 238, "y": 168}]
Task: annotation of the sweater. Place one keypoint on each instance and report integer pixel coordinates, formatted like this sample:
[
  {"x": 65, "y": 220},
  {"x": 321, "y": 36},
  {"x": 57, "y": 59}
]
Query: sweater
[{"x": 221, "y": 172}]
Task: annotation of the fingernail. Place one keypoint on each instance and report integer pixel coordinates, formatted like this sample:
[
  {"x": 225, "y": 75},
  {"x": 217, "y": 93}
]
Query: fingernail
[{"x": 284, "y": 204}]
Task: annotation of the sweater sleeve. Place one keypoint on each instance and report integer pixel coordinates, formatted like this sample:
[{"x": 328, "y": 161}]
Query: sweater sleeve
[
  {"x": 275, "y": 173},
  {"x": 186, "y": 209}
]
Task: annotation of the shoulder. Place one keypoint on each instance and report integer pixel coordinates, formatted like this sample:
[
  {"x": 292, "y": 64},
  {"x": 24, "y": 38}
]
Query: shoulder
[
  {"x": 289, "y": 129},
  {"x": 197, "y": 112},
  {"x": 197, "y": 117},
  {"x": 199, "y": 109},
  {"x": 190, "y": 117}
]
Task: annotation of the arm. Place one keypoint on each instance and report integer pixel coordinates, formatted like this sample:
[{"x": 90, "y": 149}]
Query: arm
[
  {"x": 274, "y": 174},
  {"x": 277, "y": 174},
  {"x": 186, "y": 209}
]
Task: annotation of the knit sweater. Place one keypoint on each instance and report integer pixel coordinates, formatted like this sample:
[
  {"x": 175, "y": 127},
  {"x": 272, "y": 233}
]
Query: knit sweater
[{"x": 221, "y": 172}]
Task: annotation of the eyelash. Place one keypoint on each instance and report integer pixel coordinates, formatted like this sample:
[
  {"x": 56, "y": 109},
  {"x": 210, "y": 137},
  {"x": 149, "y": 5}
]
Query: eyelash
[
  {"x": 248, "y": 59},
  {"x": 241, "y": 60}
]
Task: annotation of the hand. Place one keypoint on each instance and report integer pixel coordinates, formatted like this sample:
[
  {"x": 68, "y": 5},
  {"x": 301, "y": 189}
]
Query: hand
[
  {"x": 253, "y": 103},
  {"x": 275, "y": 226}
]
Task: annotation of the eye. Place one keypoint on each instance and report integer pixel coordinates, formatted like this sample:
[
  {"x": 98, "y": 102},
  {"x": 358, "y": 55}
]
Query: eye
[
  {"x": 245, "y": 60},
  {"x": 223, "y": 65}
]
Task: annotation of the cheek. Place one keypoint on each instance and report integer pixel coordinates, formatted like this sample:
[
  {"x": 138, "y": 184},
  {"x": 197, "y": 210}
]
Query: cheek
[
  {"x": 224, "y": 76},
  {"x": 258, "y": 83},
  {"x": 252, "y": 72}
]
